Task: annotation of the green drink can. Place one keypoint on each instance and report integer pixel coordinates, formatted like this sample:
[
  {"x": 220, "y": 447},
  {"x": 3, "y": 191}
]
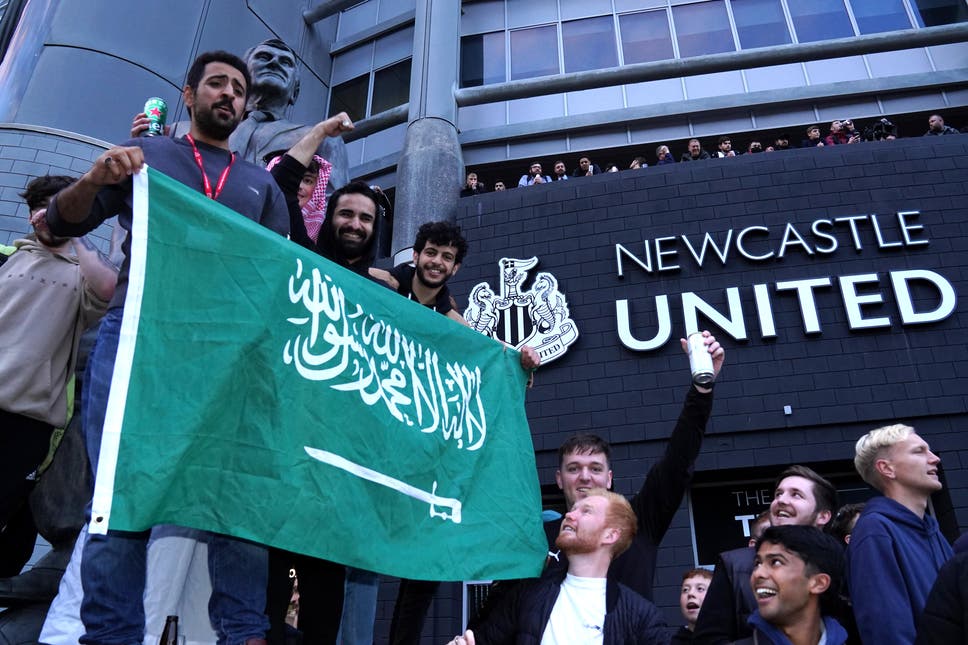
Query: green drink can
[{"x": 157, "y": 112}]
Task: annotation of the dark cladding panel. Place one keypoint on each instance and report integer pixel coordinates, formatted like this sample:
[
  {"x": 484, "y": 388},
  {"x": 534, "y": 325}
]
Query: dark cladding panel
[
  {"x": 794, "y": 397},
  {"x": 278, "y": 16},
  {"x": 80, "y": 103},
  {"x": 233, "y": 26},
  {"x": 238, "y": 25},
  {"x": 159, "y": 36},
  {"x": 823, "y": 361}
]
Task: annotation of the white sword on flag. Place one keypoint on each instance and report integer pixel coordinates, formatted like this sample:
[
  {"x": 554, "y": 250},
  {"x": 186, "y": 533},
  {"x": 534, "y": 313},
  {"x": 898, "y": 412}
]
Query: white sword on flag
[{"x": 384, "y": 480}]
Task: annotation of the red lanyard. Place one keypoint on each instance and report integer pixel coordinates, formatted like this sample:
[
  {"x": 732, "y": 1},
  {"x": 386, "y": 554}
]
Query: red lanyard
[{"x": 205, "y": 183}]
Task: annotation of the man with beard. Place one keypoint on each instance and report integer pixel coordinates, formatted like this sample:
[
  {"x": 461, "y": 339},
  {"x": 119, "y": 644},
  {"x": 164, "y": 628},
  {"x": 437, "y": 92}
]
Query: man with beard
[
  {"x": 560, "y": 174},
  {"x": 113, "y": 566},
  {"x": 695, "y": 153},
  {"x": 438, "y": 251},
  {"x": 347, "y": 236},
  {"x": 800, "y": 497},
  {"x": 265, "y": 132},
  {"x": 936, "y": 127},
  {"x": 585, "y": 463},
  {"x": 581, "y": 604},
  {"x": 51, "y": 290}
]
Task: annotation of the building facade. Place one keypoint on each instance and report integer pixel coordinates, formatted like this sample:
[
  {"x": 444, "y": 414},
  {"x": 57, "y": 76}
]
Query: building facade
[{"x": 827, "y": 337}]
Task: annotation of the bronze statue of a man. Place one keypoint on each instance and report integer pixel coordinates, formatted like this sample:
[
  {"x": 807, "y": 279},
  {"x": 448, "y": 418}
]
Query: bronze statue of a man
[{"x": 265, "y": 131}]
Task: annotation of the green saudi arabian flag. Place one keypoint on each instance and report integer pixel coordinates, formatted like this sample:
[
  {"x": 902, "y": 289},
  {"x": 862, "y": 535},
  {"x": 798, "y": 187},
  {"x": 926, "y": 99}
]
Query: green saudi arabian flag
[{"x": 264, "y": 392}]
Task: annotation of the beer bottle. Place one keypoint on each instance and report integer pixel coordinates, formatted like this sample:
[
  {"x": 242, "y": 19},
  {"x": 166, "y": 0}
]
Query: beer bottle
[{"x": 170, "y": 635}]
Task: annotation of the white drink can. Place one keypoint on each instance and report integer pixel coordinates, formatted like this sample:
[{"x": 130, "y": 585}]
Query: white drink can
[{"x": 700, "y": 360}]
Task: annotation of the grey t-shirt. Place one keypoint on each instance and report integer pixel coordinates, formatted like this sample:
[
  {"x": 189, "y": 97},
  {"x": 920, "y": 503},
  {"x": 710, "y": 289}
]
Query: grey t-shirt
[{"x": 249, "y": 190}]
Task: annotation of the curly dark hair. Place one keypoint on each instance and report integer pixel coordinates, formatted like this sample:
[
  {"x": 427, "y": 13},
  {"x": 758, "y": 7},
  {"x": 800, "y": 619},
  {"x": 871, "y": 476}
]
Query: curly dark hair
[{"x": 441, "y": 234}]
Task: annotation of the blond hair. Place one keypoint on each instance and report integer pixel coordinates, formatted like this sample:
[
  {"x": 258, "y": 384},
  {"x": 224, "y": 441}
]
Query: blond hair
[{"x": 872, "y": 446}]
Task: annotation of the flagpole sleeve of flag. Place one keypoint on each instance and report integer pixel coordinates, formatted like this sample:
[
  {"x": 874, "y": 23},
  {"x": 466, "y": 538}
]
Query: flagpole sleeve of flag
[{"x": 111, "y": 432}]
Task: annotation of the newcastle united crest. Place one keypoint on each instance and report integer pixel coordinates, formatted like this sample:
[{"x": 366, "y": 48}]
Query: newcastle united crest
[{"x": 537, "y": 317}]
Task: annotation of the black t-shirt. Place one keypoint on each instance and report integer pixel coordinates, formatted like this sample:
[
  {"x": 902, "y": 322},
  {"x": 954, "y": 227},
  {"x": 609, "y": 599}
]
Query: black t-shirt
[{"x": 404, "y": 275}]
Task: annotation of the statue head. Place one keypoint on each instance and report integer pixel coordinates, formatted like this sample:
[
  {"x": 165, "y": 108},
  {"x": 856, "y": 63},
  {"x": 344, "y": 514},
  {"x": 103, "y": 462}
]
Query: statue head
[{"x": 275, "y": 76}]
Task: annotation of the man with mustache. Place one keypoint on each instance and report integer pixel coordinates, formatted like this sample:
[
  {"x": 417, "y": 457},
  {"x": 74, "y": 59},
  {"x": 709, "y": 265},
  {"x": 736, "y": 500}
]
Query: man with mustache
[
  {"x": 438, "y": 250},
  {"x": 264, "y": 131},
  {"x": 801, "y": 497},
  {"x": 895, "y": 549},
  {"x": 113, "y": 566},
  {"x": 581, "y": 604},
  {"x": 347, "y": 236}
]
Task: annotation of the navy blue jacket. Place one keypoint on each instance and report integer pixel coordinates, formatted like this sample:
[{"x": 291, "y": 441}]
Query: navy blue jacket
[
  {"x": 629, "y": 618},
  {"x": 892, "y": 561}
]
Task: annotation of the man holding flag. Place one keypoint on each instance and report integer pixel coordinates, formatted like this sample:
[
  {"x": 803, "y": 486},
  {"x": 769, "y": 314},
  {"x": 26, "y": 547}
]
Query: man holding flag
[
  {"x": 261, "y": 391},
  {"x": 113, "y": 569}
]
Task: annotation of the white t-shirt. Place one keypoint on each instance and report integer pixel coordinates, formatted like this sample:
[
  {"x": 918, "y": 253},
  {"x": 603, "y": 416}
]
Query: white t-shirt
[{"x": 578, "y": 616}]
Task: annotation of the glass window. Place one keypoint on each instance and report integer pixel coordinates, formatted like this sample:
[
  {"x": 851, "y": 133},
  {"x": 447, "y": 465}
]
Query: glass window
[
  {"x": 481, "y": 16},
  {"x": 815, "y": 20},
  {"x": 391, "y": 86},
  {"x": 932, "y": 13},
  {"x": 352, "y": 63},
  {"x": 482, "y": 59},
  {"x": 357, "y": 18},
  {"x": 645, "y": 37},
  {"x": 350, "y": 97},
  {"x": 522, "y": 13},
  {"x": 534, "y": 52},
  {"x": 875, "y": 16},
  {"x": 393, "y": 47},
  {"x": 760, "y": 23},
  {"x": 589, "y": 44},
  {"x": 702, "y": 28},
  {"x": 393, "y": 8}
]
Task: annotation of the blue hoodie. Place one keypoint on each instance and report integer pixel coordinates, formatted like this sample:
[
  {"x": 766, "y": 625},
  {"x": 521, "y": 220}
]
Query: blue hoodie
[
  {"x": 836, "y": 635},
  {"x": 892, "y": 562}
]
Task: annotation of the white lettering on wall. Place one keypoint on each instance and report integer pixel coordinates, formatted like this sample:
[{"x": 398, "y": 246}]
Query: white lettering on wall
[
  {"x": 861, "y": 296},
  {"x": 808, "y": 291},
  {"x": 901, "y": 281},
  {"x": 759, "y": 243}
]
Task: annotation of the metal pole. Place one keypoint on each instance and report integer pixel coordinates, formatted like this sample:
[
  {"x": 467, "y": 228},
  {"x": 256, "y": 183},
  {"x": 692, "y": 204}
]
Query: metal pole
[
  {"x": 377, "y": 122},
  {"x": 431, "y": 166},
  {"x": 326, "y": 9}
]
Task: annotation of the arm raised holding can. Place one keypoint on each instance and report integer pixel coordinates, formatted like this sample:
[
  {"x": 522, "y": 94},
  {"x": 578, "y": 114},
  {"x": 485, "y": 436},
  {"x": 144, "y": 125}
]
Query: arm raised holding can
[
  {"x": 706, "y": 358},
  {"x": 665, "y": 483}
]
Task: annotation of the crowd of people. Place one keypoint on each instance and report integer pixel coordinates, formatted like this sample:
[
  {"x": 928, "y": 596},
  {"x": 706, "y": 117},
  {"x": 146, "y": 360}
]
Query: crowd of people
[
  {"x": 292, "y": 197},
  {"x": 872, "y": 573},
  {"x": 811, "y": 574},
  {"x": 841, "y": 132}
]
